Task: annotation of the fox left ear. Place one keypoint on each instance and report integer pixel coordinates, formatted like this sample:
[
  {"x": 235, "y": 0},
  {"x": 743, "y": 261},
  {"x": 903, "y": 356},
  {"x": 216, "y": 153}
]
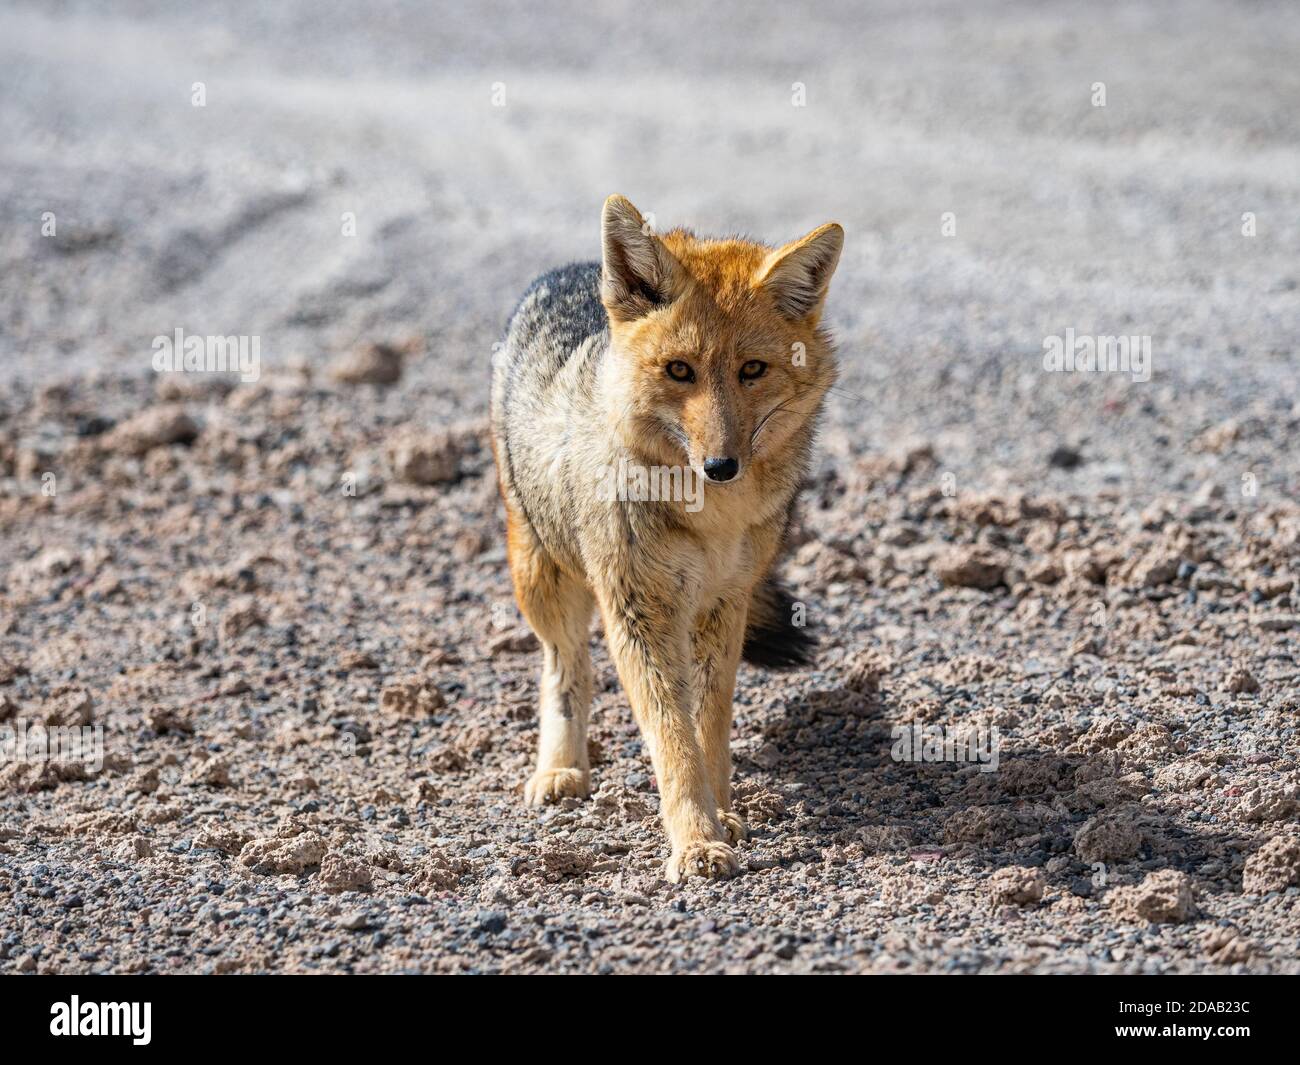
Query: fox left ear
[
  {"x": 799, "y": 274},
  {"x": 636, "y": 269}
]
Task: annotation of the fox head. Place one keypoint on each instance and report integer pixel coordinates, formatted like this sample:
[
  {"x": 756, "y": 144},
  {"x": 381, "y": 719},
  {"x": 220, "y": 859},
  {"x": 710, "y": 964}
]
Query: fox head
[{"x": 717, "y": 356}]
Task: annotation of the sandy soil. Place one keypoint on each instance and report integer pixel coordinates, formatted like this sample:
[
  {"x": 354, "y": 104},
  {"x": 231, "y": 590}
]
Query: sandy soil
[{"x": 285, "y": 601}]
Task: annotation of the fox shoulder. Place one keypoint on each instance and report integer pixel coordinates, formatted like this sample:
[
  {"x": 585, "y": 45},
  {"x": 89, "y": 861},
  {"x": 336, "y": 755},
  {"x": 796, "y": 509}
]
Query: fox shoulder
[
  {"x": 559, "y": 310},
  {"x": 558, "y": 314}
]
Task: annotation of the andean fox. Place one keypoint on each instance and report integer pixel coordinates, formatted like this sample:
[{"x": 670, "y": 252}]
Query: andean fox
[{"x": 676, "y": 353}]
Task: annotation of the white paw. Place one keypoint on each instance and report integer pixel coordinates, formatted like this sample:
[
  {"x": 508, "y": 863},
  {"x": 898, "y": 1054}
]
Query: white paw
[
  {"x": 552, "y": 785},
  {"x": 733, "y": 825},
  {"x": 705, "y": 858}
]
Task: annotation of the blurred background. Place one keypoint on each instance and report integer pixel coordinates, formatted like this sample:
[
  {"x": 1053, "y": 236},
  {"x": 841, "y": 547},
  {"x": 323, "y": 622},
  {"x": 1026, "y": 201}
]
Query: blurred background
[{"x": 474, "y": 144}]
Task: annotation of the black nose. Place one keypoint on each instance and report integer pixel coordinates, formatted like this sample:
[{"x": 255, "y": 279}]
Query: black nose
[{"x": 720, "y": 469}]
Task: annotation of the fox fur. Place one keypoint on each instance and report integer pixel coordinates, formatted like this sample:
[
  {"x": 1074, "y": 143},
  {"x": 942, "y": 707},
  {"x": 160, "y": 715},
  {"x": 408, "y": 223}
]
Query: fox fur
[{"x": 703, "y": 357}]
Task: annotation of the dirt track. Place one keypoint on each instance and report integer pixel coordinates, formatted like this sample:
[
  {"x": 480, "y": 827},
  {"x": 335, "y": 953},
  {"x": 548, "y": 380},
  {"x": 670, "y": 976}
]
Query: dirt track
[{"x": 285, "y": 601}]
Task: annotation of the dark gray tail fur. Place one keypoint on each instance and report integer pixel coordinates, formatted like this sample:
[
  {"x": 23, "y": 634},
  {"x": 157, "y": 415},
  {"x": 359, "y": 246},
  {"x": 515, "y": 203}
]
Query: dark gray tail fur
[{"x": 772, "y": 638}]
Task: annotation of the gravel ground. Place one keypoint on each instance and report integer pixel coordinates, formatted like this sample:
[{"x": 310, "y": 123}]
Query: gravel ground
[{"x": 285, "y": 601}]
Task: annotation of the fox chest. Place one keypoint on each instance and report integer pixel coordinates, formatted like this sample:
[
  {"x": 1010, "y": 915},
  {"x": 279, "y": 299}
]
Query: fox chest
[{"x": 725, "y": 568}]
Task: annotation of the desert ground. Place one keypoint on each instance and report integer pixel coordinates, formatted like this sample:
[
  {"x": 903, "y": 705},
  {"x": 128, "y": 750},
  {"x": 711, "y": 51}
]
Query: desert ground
[{"x": 282, "y": 603}]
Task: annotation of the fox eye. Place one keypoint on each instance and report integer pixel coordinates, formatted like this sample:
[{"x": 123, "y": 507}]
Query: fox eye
[
  {"x": 680, "y": 371},
  {"x": 753, "y": 370}
]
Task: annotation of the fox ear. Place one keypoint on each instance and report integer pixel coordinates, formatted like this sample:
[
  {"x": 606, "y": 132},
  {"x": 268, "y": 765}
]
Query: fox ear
[
  {"x": 799, "y": 274},
  {"x": 636, "y": 268}
]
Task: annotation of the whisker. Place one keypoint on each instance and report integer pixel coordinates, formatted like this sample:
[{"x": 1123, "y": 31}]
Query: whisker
[
  {"x": 847, "y": 393},
  {"x": 779, "y": 409},
  {"x": 763, "y": 420}
]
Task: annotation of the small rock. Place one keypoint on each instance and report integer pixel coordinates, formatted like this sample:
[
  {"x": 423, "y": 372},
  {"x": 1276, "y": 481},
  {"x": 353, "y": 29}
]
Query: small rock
[
  {"x": 70, "y": 706},
  {"x": 238, "y": 618},
  {"x": 1017, "y": 886},
  {"x": 1274, "y": 867},
  {"x": 562, "y": 863},
  {"x": 863, "y": 671},
  {"x": 1240, "y": 681},
  {"x": 339, "y": 873},
  {"x": 375, "y": 364},
  {"x": 1107, "y": 837},
  {"x": 1227, "y": 946},
  {"x": 213, "y": 773},
  {"x": 425, "y": 458},
  {"x": 157, "y": 427},
  {"x": 165, "y": 719},
  {"x": 411, "y": 698},
  {"x": 971, "y": 567},
  {"x": 219, "y": 837},
  {"x": 899, "y": 535},
  {"x": 1163, "y": 897},
  {"x": 1063, "y": 457},
  {"x": 424, "y": 791},
  {"x": 1266, "y": 804},
  {"x": 437, "y": 872},
  {"x": 356, "y": 921},
  {"x": 757, "y": 804},
  {"x": 447, "y": 758},
  {"x": 134, "y": 848},
  {"x": 517, "y": 641},
  {"x": 357, "y": 661},
  {"x": 293, "y": 855},
  {"x": 145, "y": 782}
]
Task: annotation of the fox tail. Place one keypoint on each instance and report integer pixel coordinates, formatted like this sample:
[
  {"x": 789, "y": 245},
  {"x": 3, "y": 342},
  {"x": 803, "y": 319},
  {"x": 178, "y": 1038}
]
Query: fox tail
[{"x": 775, "y": 636}]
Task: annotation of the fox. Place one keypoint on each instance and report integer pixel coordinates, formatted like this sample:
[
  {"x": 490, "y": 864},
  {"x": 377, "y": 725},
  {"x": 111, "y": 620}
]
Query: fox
[{"x": 705, "y": 358}]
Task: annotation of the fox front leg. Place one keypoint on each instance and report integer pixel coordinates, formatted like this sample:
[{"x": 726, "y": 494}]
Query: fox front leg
[
  {"x": 716, "y": 643},
  {"x": 651, "y": 649},
  {"x": 558, "y": 608}
]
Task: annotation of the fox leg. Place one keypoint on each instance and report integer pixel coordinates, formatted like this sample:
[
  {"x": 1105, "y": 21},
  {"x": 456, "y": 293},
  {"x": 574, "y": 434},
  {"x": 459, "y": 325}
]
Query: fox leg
[
  {"x": 558, "y": 607},
  {"x": 650, "y": 647},
  {"x": 717, "y": 640}
]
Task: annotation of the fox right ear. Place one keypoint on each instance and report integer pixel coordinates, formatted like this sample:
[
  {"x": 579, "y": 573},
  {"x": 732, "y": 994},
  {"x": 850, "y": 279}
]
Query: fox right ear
[
  {"x": 636, "y": 268},
  {"x": 799, "y": 274}
]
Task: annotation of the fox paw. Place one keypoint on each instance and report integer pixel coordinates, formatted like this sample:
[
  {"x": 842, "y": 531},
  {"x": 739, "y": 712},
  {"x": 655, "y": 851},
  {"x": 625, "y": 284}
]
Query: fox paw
[
  {"x": 705, "y": 858},
  {"x": 552, "y": 785},
  {"x": 733, "y": 825}
]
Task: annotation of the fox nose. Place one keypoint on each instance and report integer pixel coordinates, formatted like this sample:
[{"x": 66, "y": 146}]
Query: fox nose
[{"x": 720, "y": 469}]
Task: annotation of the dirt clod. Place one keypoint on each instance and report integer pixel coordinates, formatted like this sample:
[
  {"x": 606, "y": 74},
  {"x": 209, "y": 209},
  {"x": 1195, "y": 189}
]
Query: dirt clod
[
  {"x": 412, "y": 698},
  {"x": 968, "y": 567},
  {"x": 295, "y": 854},
  {"x": 1108, "y": 837},
  {"x": 1016, "y": 886},
  {"x": 377, "y": 363},
  {"x": 1274, "y": 867},
  {"x": 157, "y": 427},
  {"x": 1163, "y": 897},
  {"x": 340, "y": 873}
]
